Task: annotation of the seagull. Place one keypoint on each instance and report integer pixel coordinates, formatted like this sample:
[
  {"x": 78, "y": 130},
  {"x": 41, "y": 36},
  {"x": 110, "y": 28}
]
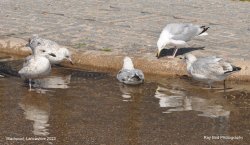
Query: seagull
[
  {"x": 209, "y": 69},
  {"x": 128, "y": 74},
  {"x": 177, "y": 35},
  {"x": 61, "y": 53},
  {"x": 35, "y": 66}
]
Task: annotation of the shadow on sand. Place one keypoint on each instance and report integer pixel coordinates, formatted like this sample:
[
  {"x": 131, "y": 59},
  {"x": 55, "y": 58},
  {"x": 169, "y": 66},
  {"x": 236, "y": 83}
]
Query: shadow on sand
[{"x": 181, "y": 51}]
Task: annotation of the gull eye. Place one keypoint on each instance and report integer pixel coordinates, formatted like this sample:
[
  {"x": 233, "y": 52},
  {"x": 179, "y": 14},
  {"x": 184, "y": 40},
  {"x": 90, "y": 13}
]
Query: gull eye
[
  {"x": 43, "y": 50},
  {"x": 67, "y": 56},
  {"x": 38, "y": 43}
]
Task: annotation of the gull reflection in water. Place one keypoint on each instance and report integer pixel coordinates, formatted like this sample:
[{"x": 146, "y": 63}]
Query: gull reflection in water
[
  {"x": 53, "y": 82},
  {"x": 126, "y": 94},
  {"x": 129, "y": 90},
  {"x": 176, "y": 100},
  {"x": 36, "y": 108}
]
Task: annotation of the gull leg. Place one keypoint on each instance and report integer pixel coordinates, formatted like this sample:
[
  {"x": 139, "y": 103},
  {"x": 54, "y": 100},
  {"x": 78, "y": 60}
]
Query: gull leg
[
  {"x": 158, "y": 54},
  {"x": 175, "y": 51},
  {"x": 30, "y": 84},
  {"x": 173, "y": 55}
]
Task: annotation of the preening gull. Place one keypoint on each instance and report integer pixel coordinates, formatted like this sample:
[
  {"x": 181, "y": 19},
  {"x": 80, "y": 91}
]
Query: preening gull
[
  {"x": 128, "y": 74},
  {"x": 35, "y": 66},
  {"x": 209, "y": 69},
  {"x": 177, "y": 34},
  {"x": 61, "y": 53}
]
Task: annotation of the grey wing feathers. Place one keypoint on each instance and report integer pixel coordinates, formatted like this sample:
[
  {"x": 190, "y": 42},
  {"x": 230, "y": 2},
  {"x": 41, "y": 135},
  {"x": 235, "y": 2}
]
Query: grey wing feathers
[
  {"x": 175, "y": 29},
  {"x": 211, "y": 66},
  {"x": 130, "y": 76},
  {"x": 210, "y": 59},
  {"x": 46, "y": 42},
  {"x": 183, "y": 32}
]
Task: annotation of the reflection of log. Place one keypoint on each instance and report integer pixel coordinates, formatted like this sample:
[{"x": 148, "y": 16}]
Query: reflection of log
[
  {"x": 4, "y": 57},
  {"x": 11, "y": 68}
]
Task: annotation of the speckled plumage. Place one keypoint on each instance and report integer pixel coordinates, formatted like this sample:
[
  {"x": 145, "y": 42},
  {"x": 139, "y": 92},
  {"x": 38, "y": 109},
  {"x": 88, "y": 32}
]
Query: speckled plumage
[{"x": 42, "y": 45}]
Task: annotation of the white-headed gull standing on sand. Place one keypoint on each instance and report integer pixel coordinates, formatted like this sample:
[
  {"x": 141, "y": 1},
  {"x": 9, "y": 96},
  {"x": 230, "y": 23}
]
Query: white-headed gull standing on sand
[
  {"x": 61, "y": 53},
  {"x": 209, "y": 69},
  {"x": 36, "y": 66},
  {"x": 177, "y": 35},
  {"x": 128, "y": 74}
]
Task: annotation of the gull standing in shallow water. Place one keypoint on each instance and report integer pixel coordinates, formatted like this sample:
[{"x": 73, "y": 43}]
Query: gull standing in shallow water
[
  {"x": 177, "y": 35},
  {"x": 36, "y": 65},
  {"x": 209, "y": 69},
  {"x": 61, "y": 53},
  {"x": 128, "y": 74}
]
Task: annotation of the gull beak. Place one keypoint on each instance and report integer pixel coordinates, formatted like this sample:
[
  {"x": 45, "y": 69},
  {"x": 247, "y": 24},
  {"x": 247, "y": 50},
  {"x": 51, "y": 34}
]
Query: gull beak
[
  {"x": 158, "y": 54},
  {"x": 52, "y": 54}
]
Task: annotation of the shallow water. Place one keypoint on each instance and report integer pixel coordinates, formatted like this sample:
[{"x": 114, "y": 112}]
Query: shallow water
[{"x": 83, "y": 107}]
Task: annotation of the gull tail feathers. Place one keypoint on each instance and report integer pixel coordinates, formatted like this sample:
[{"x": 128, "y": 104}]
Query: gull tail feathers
[
  {"x": 203, "y": 32},
  {"x": 235, "y": 69},
  {"x": 136, "y": 77}
]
